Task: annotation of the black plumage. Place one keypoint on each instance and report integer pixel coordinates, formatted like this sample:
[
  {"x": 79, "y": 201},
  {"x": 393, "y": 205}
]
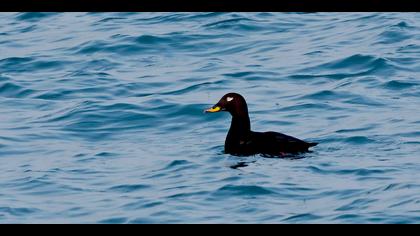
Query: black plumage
[{"x": 241, "y": 140}]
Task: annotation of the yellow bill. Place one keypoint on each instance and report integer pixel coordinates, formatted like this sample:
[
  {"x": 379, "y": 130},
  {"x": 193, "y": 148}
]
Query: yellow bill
[{"x": 213, "y": 109}]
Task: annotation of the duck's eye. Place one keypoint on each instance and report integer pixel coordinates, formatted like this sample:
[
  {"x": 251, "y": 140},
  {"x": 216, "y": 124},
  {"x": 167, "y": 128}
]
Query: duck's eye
[{"x": 229, "y": 99}]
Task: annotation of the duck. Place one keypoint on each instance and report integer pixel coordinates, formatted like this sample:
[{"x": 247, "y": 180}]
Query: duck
[{"x": 242, "y": 141}]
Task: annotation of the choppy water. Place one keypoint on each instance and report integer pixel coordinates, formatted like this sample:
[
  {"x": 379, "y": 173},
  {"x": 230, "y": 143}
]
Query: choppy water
[{"x": 101, "y": 117}]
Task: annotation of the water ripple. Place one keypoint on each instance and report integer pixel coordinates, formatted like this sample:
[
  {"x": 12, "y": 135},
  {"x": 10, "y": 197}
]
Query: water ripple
[{"x": 238, "y": 190}]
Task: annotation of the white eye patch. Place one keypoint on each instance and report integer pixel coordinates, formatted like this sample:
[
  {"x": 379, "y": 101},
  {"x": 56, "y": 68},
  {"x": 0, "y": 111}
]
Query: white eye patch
[{"x": 229, "y": 99}]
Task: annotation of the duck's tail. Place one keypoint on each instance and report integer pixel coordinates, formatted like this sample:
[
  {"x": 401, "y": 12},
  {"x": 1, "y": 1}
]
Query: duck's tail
[{"x": 312, "y": 144}]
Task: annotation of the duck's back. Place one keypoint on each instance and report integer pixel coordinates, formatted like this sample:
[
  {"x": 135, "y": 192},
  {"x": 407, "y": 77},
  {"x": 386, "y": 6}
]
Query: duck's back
[{"x": 275, "y": 143}]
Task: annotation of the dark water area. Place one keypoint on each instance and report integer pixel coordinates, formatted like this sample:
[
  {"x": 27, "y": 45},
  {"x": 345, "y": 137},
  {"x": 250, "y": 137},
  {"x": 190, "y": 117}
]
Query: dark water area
[{"x": 101, "y": 117}]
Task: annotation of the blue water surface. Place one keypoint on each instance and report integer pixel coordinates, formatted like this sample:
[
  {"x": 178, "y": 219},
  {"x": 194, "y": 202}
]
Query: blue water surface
[{"x": 101, "y": 117}]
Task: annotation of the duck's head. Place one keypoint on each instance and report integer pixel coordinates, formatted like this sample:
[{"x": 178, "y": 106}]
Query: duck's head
[{"x": 234, "y": 103}]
